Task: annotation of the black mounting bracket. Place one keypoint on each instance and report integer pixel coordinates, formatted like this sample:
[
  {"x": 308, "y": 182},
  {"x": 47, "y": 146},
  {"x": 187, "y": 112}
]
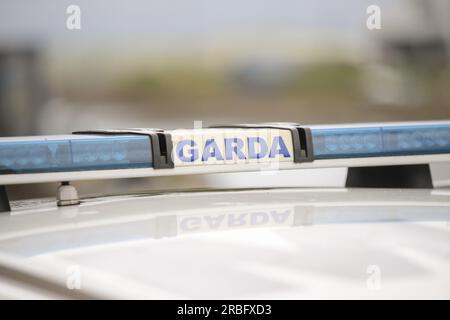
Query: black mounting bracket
[
  {"x": 301, "y": 137},
  {"x": 401, "y": 176},
  {"x": 4, "y": 201},
  {"x": 161, "y": 143}
]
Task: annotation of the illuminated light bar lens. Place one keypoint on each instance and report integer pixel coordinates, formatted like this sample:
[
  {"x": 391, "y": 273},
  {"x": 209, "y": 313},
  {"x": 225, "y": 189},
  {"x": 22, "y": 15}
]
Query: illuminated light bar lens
[
  {"x": 74, "y": 153},
  {"x": 380, "y": 141}
]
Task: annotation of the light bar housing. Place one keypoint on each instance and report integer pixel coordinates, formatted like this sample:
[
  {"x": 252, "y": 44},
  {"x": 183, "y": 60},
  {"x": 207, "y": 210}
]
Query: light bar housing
[
  {"x": 127, "y": 153},
  {"x": 160, "y": 142},
  {"x": 381, "y": 141},
  {"x": 74, "y": 153}
]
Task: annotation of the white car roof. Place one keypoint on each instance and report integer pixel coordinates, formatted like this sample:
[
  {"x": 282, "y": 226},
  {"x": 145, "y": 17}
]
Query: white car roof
[{"x": 241, "y": 244}]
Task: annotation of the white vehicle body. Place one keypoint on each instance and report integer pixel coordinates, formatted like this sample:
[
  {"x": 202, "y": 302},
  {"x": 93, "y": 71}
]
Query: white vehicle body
[
  {"x": 275, "y": 243},
  {"x": 242, "y": 244}
]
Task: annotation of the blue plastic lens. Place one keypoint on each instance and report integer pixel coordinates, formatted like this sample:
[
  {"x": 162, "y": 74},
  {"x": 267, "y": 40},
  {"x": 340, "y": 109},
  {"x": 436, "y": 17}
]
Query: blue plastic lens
[
  {"x": 380, "y": 141},
  {"x": 74, "y": 153}
]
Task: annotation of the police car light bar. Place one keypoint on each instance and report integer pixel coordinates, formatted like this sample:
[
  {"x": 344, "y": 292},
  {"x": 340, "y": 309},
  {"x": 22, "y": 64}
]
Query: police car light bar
[{"x": 108, "y": 154}]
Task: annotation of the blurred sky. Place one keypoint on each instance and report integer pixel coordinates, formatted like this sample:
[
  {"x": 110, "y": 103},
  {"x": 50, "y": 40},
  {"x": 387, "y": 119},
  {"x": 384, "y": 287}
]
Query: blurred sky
[{"x": 189, "y": 22}]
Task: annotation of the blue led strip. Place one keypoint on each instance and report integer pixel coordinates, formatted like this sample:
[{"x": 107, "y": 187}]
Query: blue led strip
[
  {"x": 380, "y": 141},
  {"x": 72, "y": 153}
]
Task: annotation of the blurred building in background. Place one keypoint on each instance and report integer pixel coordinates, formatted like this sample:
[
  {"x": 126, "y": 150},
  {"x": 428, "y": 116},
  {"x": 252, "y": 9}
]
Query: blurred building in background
[
  {"x": 168, "y": 63},
  {"x": 21, "y": 90}
]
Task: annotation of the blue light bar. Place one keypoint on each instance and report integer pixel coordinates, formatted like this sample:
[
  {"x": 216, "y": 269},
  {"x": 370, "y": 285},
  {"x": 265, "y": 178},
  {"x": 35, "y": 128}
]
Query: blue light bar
[
  {"x": 74, "y": 153},
  {"x": 83, "y": 152},
  {"x": 354, "y": 142}
]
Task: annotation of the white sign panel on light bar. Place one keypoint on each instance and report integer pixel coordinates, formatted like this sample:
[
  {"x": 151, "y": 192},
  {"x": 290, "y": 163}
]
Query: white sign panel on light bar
[{"x": 231, "y": 146}]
